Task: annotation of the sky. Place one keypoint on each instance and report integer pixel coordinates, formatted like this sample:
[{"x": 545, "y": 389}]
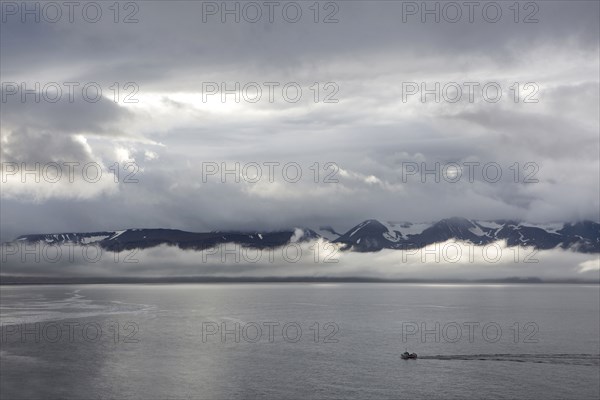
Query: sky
[{"x": 341, "y": 131}]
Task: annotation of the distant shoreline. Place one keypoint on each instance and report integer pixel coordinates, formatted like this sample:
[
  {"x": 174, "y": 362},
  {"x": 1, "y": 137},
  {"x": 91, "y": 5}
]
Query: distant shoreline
[{"x": 21, "y": 280}]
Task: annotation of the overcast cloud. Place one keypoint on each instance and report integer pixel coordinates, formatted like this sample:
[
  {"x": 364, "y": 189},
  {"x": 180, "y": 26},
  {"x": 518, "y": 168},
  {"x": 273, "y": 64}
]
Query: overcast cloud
[{"x": 168, "y": 138}]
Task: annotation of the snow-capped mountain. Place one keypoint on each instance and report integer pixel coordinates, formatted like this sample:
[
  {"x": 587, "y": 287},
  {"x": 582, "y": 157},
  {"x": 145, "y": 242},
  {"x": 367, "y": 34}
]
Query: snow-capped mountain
[
  {"x": 145, "y": 238},
  {"x": 370, "y": 235}
]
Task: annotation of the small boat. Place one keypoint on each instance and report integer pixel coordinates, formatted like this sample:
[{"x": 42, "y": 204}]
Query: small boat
[{"x": 407, "y": 356}]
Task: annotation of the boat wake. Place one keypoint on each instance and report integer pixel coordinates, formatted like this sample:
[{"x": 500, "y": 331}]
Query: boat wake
[
  {"x": 71, "y": 306},
  {"x": 566, "y": 359}
]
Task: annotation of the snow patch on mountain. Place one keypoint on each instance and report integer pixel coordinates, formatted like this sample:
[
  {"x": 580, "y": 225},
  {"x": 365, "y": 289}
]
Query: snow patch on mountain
[
  {"x": 550, "y": 227},
  {"x": 93, "y": 239},
  {"x": 407, "y": 228},
  {"x": 359, "y": 227},
  {"x": 392, "y": 236},
  {"x": 117, "y": 234},
  {"x": 489, "y": 224},
  {"x": 477, "y": 231}
]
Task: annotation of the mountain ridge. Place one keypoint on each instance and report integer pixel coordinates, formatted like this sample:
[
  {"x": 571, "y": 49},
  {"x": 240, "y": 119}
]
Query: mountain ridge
[{"x": 368, "y": 236}]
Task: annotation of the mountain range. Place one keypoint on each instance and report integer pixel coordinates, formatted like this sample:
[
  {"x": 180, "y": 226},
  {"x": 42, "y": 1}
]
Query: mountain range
[{"x": 368, "y": 236}]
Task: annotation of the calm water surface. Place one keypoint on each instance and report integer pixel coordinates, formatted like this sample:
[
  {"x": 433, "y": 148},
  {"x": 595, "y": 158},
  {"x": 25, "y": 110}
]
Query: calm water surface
[{"x": 299, "y": 341}]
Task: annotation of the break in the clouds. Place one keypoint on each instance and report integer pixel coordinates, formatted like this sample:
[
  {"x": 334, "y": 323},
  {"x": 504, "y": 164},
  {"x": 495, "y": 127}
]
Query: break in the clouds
[{"x": 159, "y": 126}]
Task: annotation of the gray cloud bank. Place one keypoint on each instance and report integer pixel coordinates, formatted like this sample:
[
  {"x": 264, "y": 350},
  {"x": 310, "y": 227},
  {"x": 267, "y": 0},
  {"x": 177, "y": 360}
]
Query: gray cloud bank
[{"x": 171, "y": 133}]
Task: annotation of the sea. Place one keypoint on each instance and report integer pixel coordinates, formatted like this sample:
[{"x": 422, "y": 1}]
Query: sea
[{"x": 300, "y": 341}]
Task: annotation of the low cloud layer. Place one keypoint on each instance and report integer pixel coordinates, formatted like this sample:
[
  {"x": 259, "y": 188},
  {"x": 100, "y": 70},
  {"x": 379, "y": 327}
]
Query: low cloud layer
[{"x": 448, "y": 261}]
